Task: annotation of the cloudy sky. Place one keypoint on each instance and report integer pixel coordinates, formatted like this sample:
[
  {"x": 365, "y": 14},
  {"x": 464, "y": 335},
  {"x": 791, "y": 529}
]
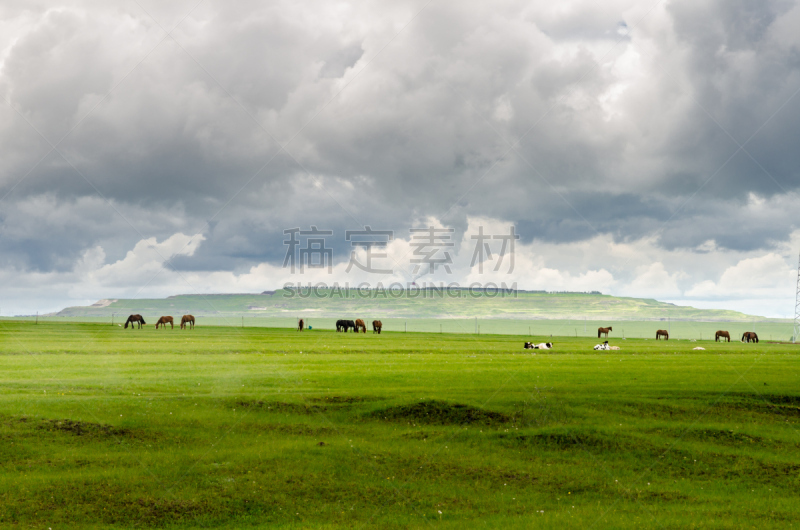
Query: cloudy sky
[{"x": 640, "y": 148}]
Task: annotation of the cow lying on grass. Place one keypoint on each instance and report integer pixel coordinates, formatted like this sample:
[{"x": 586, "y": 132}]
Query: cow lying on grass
[{"x": 542, "y": 346}]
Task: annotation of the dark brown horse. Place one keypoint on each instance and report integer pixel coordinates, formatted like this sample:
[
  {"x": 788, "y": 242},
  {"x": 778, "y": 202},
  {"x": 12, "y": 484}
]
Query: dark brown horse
[
  {"x": 601, "y": 331},
  {"x": 662, "y": 333},
  {"x": 164, "y": 321},
  {"x": 187, "y": 319},
  {"x": 301, "y": 325},
  {"x": 376, "y": 326},
  {"x": 749, "y": 336},
  {"x": 133, "y": 320},
  {"x": 360, "y": 326},
  {"x": 723, "y": 334}
]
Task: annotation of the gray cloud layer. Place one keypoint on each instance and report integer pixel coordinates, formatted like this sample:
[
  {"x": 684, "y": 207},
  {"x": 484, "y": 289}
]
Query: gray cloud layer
[{"x": 572, "y": 121}]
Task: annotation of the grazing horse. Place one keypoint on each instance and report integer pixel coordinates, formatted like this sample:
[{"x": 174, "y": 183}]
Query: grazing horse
[
  {"x": 376, "y": 326},
  {"x": 360, "y": 326},
  {"x": 662, "y": 333},
  {"x": 723, "y": 334},
  {"x": 300, "y": 325},
  {"x": 187, "y": 319},
  {"x": 133, "y": 320},
  {"x": 601, "y": 331},
  {"x": 164, "y": 321},
  {"x": 749, "y": 336},
  {"x": 345, "y": 325}
]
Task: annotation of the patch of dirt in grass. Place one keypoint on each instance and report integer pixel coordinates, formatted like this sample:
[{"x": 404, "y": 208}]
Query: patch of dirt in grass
[
  {"x": 567, "y": 440},
  {"x": 85, "y": 429},
  {"x": 158, "y": 512},
  {"x": 653, "y": 496},
  {"x": 421, "y": 435},
  {"x": 763, "y": 404},
  {"x": 441, "y": 413},
  {"x": 316, "y": 405},
  {"x": 434, "y": 470},
  {"x": 718, "y": 436},
  {"x": 773, "y": 399},
  {"x": 298, "y": 429},
  {"x": 642, "y": 409},
  {"x": 278, "y": 406},
  {"x": 343, "y": 400}
]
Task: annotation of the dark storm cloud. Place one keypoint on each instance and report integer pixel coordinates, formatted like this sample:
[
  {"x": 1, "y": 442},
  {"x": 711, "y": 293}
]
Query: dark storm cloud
[{"x": 472, "y": 110}]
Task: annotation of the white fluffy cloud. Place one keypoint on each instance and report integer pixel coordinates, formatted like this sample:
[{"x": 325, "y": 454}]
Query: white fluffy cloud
[
  {"x": 764, "y": 276},
  {"x": 755, "y": 283}
]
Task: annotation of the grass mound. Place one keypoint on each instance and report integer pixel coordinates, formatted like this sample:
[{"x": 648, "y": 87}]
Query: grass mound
[
  {"x": 782, "y": 405},
  {"x": 441, "y": 413},
  {"x": 728, "y": 437},
  {"x": 281, "y": 407},
  {"x": 567, "y": 440},
  {"x": 84, "y": 428}
]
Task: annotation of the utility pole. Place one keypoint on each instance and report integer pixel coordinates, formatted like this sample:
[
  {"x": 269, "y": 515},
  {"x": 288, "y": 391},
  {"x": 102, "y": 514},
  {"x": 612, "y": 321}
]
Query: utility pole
[{"x": 797, "y": 306}]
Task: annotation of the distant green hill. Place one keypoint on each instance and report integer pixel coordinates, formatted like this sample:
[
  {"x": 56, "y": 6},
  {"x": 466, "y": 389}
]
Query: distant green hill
[{"x": 423, "y": 304}]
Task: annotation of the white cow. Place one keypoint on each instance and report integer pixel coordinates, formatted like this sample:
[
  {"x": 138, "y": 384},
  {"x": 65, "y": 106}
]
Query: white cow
[{"x": 541, "y": 346}]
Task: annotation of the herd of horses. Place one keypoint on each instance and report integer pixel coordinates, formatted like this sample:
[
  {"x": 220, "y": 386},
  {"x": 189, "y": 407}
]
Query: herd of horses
[
  {"x": 346, "y": 325},
  {"x": 748, "y": 336},
  {"x": 186, "y": 321},
  {"x": 359, "y": 325}
]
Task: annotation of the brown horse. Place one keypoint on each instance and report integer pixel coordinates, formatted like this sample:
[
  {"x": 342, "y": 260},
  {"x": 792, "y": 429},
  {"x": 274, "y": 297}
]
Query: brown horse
[
  {"x": 662, "y": 333},
  {"x": 187, "y": 319},
  {"x": 749, "y": 336},
  {"x": 301, "y": 325},
  {"x": 360, "y": 326},
  {"x": 723, "y": 334},
  {"x": 376, "y": 326},
  {"x": 133, "y": 320},
  {"x": 605, "y": 331},
  {"x": 164, "y": 321}
]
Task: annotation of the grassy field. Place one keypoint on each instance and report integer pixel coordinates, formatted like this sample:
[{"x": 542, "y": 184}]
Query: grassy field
[
  {"x": 245, "y": 427},
  {"x": 638, "y": 329}
]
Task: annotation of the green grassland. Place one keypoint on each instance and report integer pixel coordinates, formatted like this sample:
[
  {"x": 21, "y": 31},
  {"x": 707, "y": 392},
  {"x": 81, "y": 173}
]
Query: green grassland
[
  {"x": 769, "y": 330},
  {"x": 246, "y": 427},
  {"x": 455, "y": 305}
]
